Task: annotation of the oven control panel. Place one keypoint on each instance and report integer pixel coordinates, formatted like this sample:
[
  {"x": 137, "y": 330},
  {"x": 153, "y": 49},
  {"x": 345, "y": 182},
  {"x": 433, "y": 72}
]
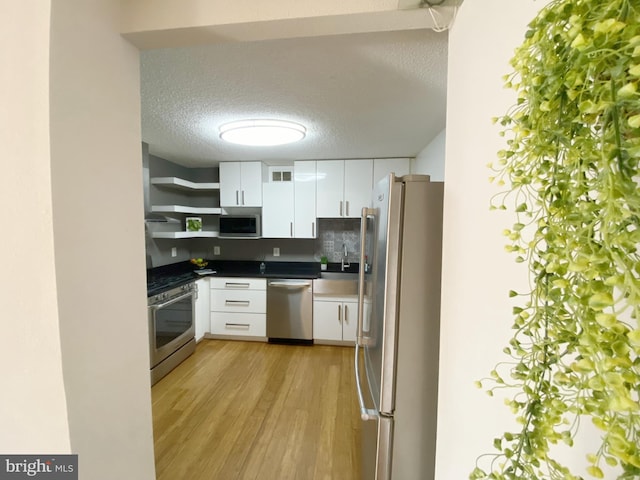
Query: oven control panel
[{"x": 171, "y": 294}]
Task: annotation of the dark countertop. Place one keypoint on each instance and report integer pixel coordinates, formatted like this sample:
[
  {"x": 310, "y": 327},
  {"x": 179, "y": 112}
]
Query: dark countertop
[{"x": 160, "y": 279}]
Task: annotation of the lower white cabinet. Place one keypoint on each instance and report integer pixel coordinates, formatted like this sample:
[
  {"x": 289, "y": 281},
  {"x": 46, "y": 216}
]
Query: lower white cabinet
[
  {"x": 202, "y": 311},
  {"x": 242, "y": 324},
  {"x": 335, "y": 319},
  {"x": 238, "y": 307}
]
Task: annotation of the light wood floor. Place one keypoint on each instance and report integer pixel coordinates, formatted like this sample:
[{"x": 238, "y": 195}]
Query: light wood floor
[{"x": 247, "y": 410}]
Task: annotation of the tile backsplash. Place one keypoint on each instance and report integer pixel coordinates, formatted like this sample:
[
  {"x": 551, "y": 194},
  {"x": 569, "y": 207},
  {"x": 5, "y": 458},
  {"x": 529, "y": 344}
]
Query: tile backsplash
[{"x": 334, "y": 234}]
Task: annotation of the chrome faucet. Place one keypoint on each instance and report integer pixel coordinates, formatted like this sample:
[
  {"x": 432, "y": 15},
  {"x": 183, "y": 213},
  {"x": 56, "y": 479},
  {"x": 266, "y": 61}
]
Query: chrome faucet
[{"x": 345, "y": 262}]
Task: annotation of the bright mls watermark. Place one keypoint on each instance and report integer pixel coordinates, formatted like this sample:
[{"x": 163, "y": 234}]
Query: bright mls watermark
[{"x": 50, "y": 467}]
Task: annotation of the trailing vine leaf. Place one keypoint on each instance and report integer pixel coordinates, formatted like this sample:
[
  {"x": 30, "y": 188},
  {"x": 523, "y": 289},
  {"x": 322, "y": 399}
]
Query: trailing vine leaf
[{"x": 571, "y": 168}]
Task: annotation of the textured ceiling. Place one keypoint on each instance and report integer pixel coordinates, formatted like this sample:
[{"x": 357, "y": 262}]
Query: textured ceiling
[{"x": 359, "y": 95}]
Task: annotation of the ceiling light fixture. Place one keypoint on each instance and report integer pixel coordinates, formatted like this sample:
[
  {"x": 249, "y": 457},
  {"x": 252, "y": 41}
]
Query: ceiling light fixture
[{"x": 262, "y": 133}]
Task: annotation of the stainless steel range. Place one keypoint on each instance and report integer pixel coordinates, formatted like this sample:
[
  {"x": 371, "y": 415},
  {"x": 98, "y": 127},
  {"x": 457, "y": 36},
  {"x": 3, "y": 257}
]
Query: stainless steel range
[{"x": 171, "y": 328}]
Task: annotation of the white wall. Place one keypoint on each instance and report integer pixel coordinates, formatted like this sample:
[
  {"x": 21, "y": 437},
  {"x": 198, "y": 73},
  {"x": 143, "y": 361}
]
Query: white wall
[
  {"x": 33, "y": 410},
  {"x": 96, "y": 161},
  {"x": 477, "y": 272},
  {"x": 430, "y": 161}
]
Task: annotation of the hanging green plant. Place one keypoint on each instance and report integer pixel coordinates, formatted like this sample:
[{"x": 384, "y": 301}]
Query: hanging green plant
[{"x": 571, "y": 170}]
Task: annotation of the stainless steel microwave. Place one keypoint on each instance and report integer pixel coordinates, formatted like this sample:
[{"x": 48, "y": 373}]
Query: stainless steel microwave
[{"x": 240, "y": 226}]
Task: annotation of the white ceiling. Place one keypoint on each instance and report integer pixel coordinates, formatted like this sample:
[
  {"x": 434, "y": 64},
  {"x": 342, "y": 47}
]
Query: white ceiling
[{"x": 359, "y": 95}]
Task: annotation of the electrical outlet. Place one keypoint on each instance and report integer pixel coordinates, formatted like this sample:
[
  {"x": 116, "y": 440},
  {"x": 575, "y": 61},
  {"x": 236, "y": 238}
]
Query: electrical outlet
[
  {"x": 327, "y": 247},
  {"x": 276, "y": 252},
  {"x": 174, "y": 252},
  {"x": 216, "y": 250}
]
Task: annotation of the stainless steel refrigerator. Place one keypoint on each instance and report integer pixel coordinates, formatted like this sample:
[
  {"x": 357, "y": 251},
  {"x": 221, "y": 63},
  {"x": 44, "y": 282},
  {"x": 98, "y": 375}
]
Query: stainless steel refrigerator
[{"x": 397, "y": 346}]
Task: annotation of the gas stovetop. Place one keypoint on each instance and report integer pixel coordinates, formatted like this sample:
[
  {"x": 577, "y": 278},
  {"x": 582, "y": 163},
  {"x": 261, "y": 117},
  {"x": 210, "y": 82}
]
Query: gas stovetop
[{"x": 159, "y": 284}]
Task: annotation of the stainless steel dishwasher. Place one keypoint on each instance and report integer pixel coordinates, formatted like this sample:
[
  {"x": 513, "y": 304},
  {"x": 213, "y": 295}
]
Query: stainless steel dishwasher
[{"x": 290, "y": 310}]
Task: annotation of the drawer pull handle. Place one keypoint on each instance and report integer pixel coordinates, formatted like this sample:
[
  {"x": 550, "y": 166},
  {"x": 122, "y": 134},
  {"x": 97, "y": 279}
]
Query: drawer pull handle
[
  {"x": 236, "y": 285},
  {"x": 237, "y": 303},
  {"x": 239, "y": 326}
]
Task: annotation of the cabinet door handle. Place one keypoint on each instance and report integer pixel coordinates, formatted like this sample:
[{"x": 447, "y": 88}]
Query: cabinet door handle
[
  {"x": 346, "y": 214},
  {"x": 237, "y": 197},
  {"x": 339, "y": 313},
  {"x": 236, "y": 285},
  {"x": 242, "y": 197},
  {"x": 340, "y": 207},
  {"x": 291, "y": 229},
  {"x": 346, "y": 314},
  {"x": 313, "y": 229}
]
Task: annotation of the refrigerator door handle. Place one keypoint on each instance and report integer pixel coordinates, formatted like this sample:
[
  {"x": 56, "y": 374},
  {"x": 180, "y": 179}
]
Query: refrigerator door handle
[
  {"x": 365, "y": 413},
  {"x": 360, "y": 337}
]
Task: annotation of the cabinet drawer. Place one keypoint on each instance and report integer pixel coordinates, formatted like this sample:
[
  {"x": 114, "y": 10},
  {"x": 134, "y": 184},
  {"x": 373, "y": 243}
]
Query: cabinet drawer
[
  {"x": 228, "y": 283},
  {"x": 243, "y": 324},
  {"x": 249, "y": 301}
]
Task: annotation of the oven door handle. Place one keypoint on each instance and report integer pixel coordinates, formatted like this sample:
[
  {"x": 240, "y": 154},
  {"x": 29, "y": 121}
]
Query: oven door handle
[{"x": 158, "y": 306}]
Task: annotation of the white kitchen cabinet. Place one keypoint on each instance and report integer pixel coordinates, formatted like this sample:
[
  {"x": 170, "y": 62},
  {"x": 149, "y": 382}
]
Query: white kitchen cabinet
[
  {"x": 241, "y": 184},
  {"x": 238, "y": 308},
  {"x": 343, "y": 187},
  {"x": 249, "y": 325},
  {"x": 304, "y": 177},
  {"x": 238, "y": 283},
  {"x": 202, "y": 311},
  {"x": 384, "y": 166},
  {"x": 358, "y": 183},
  {"x": 335, "y": 319},
  {"x": 330, "y": 188},
  {"x": 278, "y": 210}
]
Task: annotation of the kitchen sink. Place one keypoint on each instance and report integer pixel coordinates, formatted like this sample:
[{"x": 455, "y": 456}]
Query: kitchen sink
[{"x": 338, "y": 284}]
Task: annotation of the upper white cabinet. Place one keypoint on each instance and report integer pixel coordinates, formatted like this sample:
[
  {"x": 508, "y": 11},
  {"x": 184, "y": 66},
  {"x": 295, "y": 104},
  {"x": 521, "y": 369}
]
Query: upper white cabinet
[
  {"x": 330, "y": 188},
  {"x": 358, "y": 175},
  {"x": 277, "y": 210},
  {"x": 304, "y": 175},
  {"x": 289, "y": 207},
  {"x": 384, "y": 166},
  {"x": 343, "y": 187},
  {"x": 241, "y": 184}
]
